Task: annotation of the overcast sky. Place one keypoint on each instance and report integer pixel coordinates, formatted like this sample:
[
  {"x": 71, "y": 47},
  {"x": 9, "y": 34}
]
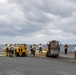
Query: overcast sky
[{"x": 37, "y": 21}]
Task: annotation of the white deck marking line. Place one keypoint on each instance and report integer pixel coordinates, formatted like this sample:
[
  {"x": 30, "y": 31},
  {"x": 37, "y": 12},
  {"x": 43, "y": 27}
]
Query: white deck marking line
[
  {"x": 64, "y": 73},
  {"x": 13, "y": 72}
]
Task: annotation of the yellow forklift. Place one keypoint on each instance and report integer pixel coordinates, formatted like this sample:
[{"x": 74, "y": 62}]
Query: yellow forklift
[{"x": 21, "y": 50}]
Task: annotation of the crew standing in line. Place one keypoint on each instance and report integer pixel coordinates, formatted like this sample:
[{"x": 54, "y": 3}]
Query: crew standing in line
[{"x": 66, "y": 48}]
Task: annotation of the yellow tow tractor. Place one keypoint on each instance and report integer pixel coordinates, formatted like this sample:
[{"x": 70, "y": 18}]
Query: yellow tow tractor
[{"x": 21, "y": 50}]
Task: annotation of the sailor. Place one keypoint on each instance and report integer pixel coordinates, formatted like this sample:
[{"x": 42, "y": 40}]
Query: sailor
[
  {"x": 11, "y": 50},
  {"x": 66, "y": 48},
  {"x": 7, "y": 49},
  {"x": 25, "y": 46},
  {"x": 40, "y": 48},
  {"x": 34, "y": 49}
]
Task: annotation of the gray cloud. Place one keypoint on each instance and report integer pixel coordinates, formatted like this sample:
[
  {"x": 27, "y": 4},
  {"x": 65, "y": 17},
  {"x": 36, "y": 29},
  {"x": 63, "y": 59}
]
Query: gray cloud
[
  {"x": 38, "y": 20},
  {"x": 63, "y": 8}
]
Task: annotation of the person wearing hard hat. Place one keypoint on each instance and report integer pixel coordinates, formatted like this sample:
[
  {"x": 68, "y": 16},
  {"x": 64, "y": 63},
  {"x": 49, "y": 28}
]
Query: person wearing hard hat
[
  {"x": 11, "y": 50},
  {"x": 31, "y": 48},
  {"x": 6, "y": 49},
  {"x": 40, "y": 48},
  {"x": 34, "y": 49},
  {"x": 66, "y": 48}
]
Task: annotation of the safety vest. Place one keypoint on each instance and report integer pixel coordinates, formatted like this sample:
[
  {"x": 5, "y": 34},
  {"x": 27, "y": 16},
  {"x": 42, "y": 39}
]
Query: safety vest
[{"x": 66, "y": 46}]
